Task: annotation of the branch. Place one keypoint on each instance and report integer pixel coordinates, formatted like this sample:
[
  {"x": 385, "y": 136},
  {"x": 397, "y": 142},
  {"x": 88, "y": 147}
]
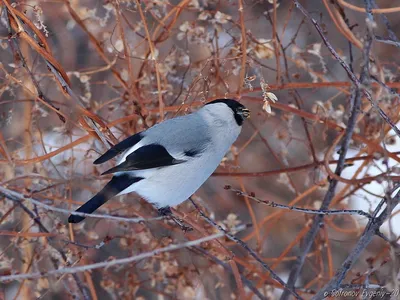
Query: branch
[
  {"x": 243, "y": 48},
  {"x": 247, "y": 248},
  {"x": 370, "y": 231},
  {"x": 329, "y": 212},
  {"x": 116, "y": 262},
  {"x": 355, "y": 103},
  {"x": 153, "y": 58},
  {"x": 247, "y": 282},
  {"x": 36, "y": 219},
  {"x": 352, "y": 76},
  {"x": 15, "y": 196},
  {"x": 310, "y": 237}
]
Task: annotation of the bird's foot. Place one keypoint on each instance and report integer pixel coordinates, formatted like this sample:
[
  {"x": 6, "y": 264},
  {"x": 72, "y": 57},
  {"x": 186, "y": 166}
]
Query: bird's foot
[
  {"x": 179, "y": 222},
  {"x": 166, "y": 211}
]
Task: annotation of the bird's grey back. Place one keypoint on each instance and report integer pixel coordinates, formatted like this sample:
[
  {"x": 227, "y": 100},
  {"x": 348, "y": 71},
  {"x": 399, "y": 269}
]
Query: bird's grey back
[{"x": 189, "y": 132}]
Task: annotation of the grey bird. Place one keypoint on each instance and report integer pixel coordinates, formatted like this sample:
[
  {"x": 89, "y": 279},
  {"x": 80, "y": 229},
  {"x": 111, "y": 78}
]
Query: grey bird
[{"x": 168, "y": 162}]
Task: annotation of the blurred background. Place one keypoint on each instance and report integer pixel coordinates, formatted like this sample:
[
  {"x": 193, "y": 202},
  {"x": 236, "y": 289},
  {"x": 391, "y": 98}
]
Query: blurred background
[{"x": 78, "y": 75}]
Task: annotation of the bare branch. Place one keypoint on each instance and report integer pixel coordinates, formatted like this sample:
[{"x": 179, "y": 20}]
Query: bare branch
[
  {"x": 116, "y": 262},
  {"x": 15, "y": 196}
]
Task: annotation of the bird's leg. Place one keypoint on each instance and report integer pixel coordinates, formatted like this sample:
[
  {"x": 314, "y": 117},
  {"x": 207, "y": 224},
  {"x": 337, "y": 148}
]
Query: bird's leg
[{"x": 166, "y": 211}]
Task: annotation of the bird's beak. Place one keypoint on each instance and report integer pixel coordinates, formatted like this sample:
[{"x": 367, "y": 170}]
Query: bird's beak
[{"x": 245, "y": 113}]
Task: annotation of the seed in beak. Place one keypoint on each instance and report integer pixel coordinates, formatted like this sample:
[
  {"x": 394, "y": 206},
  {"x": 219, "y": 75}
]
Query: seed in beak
[{"x": 246, "y": 113}]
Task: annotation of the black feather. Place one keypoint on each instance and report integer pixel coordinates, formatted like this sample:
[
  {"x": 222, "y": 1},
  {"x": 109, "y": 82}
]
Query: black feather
[
  {"x": 193, "y": 152},
  {"x": 120, "y": 147},
  {"x": 116, "y": 185},
  {"x": 234, "y": 105},
  {"x": 146, "y": 157}
]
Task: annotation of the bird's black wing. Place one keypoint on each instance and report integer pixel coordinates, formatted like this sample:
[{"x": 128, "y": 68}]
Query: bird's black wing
[
  {"x": 146, "y": 157},
  {"x": 120, "y": 147}
]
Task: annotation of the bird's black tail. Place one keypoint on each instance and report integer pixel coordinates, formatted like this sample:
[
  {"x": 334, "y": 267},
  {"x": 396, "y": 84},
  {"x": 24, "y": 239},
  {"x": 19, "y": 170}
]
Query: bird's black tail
[{"x": 116, "y": 185}]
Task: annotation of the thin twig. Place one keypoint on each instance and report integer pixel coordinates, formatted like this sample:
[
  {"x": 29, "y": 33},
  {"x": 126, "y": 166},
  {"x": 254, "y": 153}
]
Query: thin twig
[
  {"x": 15, "y": 44},
  {"x": 351, "y": 75},
  {"x": 243, "y": 48},
  {"x": 247, "y": 282},
  {"x": 310, "y": 237},
  {"x": 293, "y": 169},
  {"x": 385, "y": 20},
  {"x": 296, "y": 95},
  {"x": 369, "y": 232},
  {"x": 37, "y": 221},
  {"x": 247, "y": 248},
  {"x": 110, "y": 263},
  {"x": 328, "y": 212},
  {"x": 153, "y": 58},
  {"x": 387, "y": 41},
  {"x": 355, "y": 105},
  {"x": 15, "y": 196}
]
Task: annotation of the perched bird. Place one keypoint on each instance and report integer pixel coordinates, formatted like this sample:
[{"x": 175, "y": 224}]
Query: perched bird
[{"x": 168, "y": 162}]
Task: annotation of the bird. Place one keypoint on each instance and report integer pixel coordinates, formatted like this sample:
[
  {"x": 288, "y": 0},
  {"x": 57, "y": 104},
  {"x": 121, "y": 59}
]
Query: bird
[{"x": 168, "y": 162}]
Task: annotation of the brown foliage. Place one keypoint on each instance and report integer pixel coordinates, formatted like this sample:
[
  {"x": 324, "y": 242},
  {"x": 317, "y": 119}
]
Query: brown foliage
[{"x": 314, "y": 173}]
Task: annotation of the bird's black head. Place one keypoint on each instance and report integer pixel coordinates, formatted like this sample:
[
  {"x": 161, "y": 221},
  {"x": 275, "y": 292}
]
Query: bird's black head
[{"x": 240, "y": 112}]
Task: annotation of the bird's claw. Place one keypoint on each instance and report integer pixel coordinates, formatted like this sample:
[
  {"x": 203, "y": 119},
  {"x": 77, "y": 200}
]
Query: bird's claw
[
  {"x": 166, "y": 211},
  {"x": 179, "y": 222}
]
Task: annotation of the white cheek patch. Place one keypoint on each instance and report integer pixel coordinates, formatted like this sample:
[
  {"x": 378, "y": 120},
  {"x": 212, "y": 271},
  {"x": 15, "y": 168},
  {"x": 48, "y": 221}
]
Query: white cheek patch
[
  {"x": 178, "y": 156},
  {"x": 131, "y": 150}
]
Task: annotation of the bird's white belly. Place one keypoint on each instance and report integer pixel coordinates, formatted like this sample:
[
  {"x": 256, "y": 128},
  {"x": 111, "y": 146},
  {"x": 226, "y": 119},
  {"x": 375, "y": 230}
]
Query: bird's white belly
[{"x": 172, "y": 185}]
